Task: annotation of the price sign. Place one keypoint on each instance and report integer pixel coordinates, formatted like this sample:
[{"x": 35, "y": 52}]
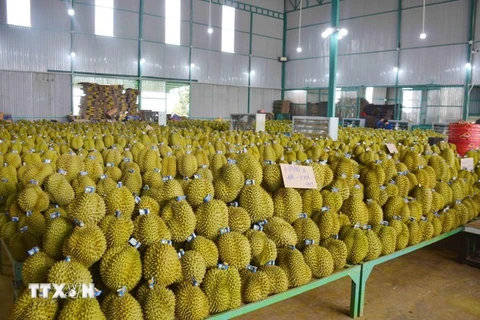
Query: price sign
[
  {"x": 467, "y": 164},
  {"x": 300, "y": 177},
  {"x": 391, "y": 148}
]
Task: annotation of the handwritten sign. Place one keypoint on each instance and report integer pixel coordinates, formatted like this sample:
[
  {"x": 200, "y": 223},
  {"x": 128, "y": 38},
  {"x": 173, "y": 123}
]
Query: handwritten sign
[
  {"x": 300, "y": 177},
  {"x": 391, "y": 148},
  {"x": 467, "y": 164}
]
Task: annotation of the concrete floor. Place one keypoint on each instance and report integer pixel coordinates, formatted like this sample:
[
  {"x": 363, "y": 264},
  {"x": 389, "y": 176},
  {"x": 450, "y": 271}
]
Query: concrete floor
[{"x": 426, "y": 284}]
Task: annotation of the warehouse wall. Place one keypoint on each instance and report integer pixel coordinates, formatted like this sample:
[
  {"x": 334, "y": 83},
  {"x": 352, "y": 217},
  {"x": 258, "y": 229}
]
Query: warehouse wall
[
  {"x": 368, "y": 54},
  {"x": 46, "y": 47}
]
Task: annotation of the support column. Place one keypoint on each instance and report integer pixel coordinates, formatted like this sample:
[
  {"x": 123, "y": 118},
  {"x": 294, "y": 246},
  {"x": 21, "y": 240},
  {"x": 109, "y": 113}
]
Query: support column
[
  {"x": 140, "y": 52},
  {"x": 398, "y": 109},
  {"x": 332, "y": 82},
  {"x": 250, "y": 62},
  {"x": 284, "y": 53},
  {"x": 468, "y": 72},
  {"x": 72, "y": 48}
]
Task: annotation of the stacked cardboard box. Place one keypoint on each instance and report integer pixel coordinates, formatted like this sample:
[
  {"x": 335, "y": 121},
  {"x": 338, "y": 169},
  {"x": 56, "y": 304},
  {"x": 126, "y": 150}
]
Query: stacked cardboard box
[{"x": 107, "y": 101}]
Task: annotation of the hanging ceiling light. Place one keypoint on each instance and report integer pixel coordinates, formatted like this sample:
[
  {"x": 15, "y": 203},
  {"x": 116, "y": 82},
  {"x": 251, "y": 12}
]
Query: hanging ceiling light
[
  {"x": 70, "y": 11},
  {"x": 342, "y": 33},
  {"x": 299, "y": 48},
  {"x": 210, "y": 29},
  {"x": 423, "y": 35},
  {"x": 72, "y": 54},
  {"x": 468, "y": 66},
  {"x": 395, "y": 69}
]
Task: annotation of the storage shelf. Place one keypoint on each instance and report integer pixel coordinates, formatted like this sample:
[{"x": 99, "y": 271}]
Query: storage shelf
[{"x": 351, "y": 271}]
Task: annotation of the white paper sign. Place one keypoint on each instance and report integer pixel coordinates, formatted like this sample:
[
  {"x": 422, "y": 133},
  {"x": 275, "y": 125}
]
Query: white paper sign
[
  {"x": 391, "y": 148},
  {"x": 260, "y": 120},
  {"x": 299, "y": 177},
  {"x": 467, "y": 164}
]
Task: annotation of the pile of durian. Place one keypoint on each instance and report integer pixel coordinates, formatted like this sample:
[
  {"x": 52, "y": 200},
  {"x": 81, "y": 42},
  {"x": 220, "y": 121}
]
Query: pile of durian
[{"x": 177, "y": 223}]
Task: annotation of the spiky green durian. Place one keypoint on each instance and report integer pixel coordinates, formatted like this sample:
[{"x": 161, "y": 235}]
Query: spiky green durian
[
  {"x": 196, "y": 191},
  {"x": 374, "y": 245},
  {"x": 206, "y": 247},
  {"x": 191, "y": 302},
  {"x": 69, "y": 271},
  {"x": 338, "y": 250},
  {"x": 180, "y": 219},
  {"x": 307, "y": 232},
  {"x": 162, "y": 263},
  {"x": 88, "y": 208},
  {"x": 238, "y": 218},
  {"x": 150, "y": 228},
  {"x": 29, "y": 308},
  {"x": 121, "y": 307},
  {"x": 234, "y": 249},
  {"x": 117, "y": 229},
  {"x": 287, "y": 204},
  {"x": 257, "y": 202},
  {"x": 222, "y": 287},
  {"x": 194, "y": 266},
  {"x": 277, "y": 278},
  {"x": 357, "y": 245},
  {"x": 59, "y": 189},
  {"x": 36, "y": 266},
  {"x": 293, "y": 263},
  {"x": 157, "y": 303},
  {"x": 212, "y": 216},
  {"x": 88, "y": 309},
  {"x": 281, "y": 232},
  {"x": 120, "y": 267},
  {"x": 327, "y": 222},
  {"x": 319, "y": 260},
  {"x": 86, "y": 244}
]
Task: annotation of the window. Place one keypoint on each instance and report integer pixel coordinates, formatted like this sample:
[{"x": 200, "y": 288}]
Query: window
[
  {"x": 369, "y": 94},
  {"x": 104, "y": 18},
  {"x": 172, "y": 21},
  {"x": 228, "y": 29},
  {"x": 18, "y": 12}
]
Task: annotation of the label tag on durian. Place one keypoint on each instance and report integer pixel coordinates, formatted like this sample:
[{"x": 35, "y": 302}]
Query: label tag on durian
[
  {"x": 78, "y": 223},
  {"x": 224, "y": 230},
  {"x": 251, "y": 268},
  {"x": 15, "y": 219},
  {"x": 222, "y": 266},
  {"x": 309, "y": 242},
  {"x": 137, "y": 199},
  {"x": 181, "y": 198},
  {"x": 121, "y": 292},
  {"x": 151, "y": 283},
  {"x": 61, "y": 171},
  {"x": 34, "y": 250},
  {"x": 47, "y": 161},
  {"x": 208, "y": 198},
  {"x": 109, "y": 164},
  {"x": 231, "y": 161},
  {"x": 302, "y": 215},
  {"x": 291, "y": 247},
  {"x": 166, "y": 178},
  {"x": 143, "y": 211},
  {"x": 180, "y": 253},
  {"x": 195, "y": 283},
  {"x": 270, "y": 263},
  {"x": 249, "y": 182},
  {"x": 83, "y": 173},
  {"x": 127, "y": 159},
  {"x": 4, "y": 180},
  {"x": 297, "y": 176},
  {"x": 89, "y": 189},
  {"x": 233, "y": 204},
  {"x": 134, "y": 243},
  {"x": 33, "y": 182},
  {"x": 98, "y": 292},
  {"x": 24, "y": 229},
  {"x": 325, "y": 209},
  {"x": 166, "y": 241},
  {"x": 191, "y": 237},
  {"x": 118, "y": 213}
]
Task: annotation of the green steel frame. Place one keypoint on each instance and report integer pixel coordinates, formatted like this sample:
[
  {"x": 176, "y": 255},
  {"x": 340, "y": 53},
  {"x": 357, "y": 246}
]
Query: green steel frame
[
  {"x": 354, "y": 272},
  {"x": 367, "y": 267},
  {"x": 468, "y": 72},
  {"x": 332, "y": 80}
]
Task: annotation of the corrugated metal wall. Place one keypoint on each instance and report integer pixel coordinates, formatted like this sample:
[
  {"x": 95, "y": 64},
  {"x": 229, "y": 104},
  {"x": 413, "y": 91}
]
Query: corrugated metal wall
[
  {"x": 32, "y": 95},
  {"x": 46, "y": 46}
]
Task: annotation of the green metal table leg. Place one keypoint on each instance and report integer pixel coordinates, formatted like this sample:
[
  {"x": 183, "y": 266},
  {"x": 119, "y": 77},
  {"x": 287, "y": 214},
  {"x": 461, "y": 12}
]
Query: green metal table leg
[
  {"x": 355, "y": 292},
  {"x": 365, "y": 273}
]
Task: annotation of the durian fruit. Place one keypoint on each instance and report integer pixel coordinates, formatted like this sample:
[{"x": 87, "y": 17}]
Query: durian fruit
[
  {"x": 426, "y": 228},
  {"x": 81, "y": 182},
  {"x": 357, "y": 245},
  {"x": 121, "y": 307},
  {"x": 194, "y": 266},
  {"x": 332, "y": 199},
  {"x": 338, "y": 250},
  {"x": 171, "y": 189},
  {"x": 292, "y": 262},
  {"x": 86, "y": 244},
  {"x": 307, "y": 232},
  {"x": 387, "y": 236},
  {"x": 147, "y": 203},
  {"x": 374, "y": 245},
  {"x": 281, "y": 232},
  {"x": 162, "y": 263},
  {"x": 105, "y": 185},
  {"x": 272, "y": 176},
  {"x": 319, "y": 260},
  {"x": 33, "y": 198},
  {"x": 120, "y": 199},
  {"x": 69, "y": 271},
  {"x": 120, "y": 267},
  {"x": 256, "y": 201},
  {"x": 191, "y": 302},
  {"x": 251, "y": 167},
  {"x": 238, "y": 218},
  {"x": 28, "y": 308},
  {"x": 180, "y": 219},
  {"x": 153, "y": 179},
  {"x": 88, "y": 208},
  {"x": 287, "y": 204},
  {"x": 414, "y": 232},
  {"x": 157, "y": 303},
  {"x": 81, "y": 308},
  {"x": 205, "y": 247},
  {"x": 35, "y": 221},
  {"x": 150, "y": 228},
  {"x": 117, "y": 229},
  {"x": 437, "y": 225},
  {"x": 448, "y": 220},
  {"x": 187, "y": 164},
  {"x": 71, "y": 164},
  {"x": 58, "y": 230},
  {"x": 59, "y": 189},
  {"x": 222, "y": 287},
  {"x": 377, "y": 193},
  {"x": 197, "y": 190},
  {"x": 255, "y": 285},
  {"x": 229, "y": 182},
  {"x": 234, "y": 249},
  {"x": 327, "y": 222},
  {"x": 375, "y": 212},
  {"x": 403, "y": 235},
  {"x": 356, "y": 210},
  {"x": 277, "y": 278},
  {"x": 263, "y": 249},
  {"x": 423, "y": 194},
  {"x": 35, "y": 268},
  {"x": 312, "y": 201},
  {"x": 132, "y": 179},
  {"x": 396, "y": 206},
  {"x": 212, "y": 216}
]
